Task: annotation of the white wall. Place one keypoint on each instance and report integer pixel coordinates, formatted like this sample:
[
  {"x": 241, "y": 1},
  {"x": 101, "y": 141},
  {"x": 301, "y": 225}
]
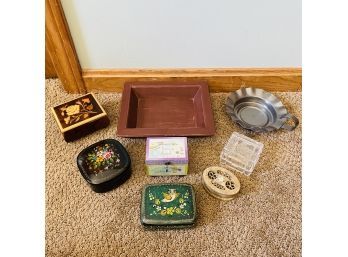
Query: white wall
[{"x": 185, "y": 33}]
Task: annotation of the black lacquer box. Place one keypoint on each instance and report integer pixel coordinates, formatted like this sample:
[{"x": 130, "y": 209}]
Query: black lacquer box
[{"x": 104, "y": 165}]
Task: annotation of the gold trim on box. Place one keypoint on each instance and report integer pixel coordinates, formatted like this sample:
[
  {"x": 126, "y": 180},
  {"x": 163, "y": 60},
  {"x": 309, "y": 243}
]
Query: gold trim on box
[{"x": 103, "y": 114}]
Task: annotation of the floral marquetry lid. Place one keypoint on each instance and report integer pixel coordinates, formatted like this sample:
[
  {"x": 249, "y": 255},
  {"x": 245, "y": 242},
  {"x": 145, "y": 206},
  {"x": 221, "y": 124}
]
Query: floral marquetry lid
[
  {"x": 103, "y": 162},
  {"x": 168, "y": 205},
  {"x": 77, "y": 112}
]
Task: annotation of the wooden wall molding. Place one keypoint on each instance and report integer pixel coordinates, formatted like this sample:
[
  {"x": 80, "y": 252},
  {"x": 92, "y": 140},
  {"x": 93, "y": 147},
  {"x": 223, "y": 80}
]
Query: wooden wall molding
[
  {"x": 219, "y": 80},
  {"x": 50, "y": 71},
  {"x": 61, "y": 48}
]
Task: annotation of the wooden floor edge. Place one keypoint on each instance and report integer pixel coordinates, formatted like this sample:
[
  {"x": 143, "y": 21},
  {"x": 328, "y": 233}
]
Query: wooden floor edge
[{"x": 219, "y": 80}]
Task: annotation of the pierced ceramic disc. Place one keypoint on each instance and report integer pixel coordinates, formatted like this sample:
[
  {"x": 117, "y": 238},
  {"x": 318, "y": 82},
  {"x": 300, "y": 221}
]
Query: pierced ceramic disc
[{"x": 220, "y": 183}]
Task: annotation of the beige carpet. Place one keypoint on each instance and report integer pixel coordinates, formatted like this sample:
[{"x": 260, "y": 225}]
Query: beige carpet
[{"x": 263, "y": 220}]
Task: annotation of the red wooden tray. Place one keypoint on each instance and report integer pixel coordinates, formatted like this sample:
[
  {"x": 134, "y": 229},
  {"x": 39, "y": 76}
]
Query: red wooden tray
[{"x": 165, "y": 109}]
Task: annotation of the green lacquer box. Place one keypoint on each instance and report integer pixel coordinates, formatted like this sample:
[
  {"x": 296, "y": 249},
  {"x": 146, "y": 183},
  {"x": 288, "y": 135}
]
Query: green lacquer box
[{"x": 168, "y": 206}]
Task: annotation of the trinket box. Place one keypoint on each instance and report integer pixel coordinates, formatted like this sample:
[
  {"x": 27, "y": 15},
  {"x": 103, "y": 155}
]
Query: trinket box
[
  {"x": 166, "y": 156},
  {"x": 168, "y": 206},
  {"x": 104, "y": 165},
  {"x": 241, "y": 153},
  {"x": 80, "y": 117},
  {"x": 220, "y": 183}
]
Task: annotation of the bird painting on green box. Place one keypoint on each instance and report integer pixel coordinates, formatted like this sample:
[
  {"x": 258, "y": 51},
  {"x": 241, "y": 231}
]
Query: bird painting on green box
[{"x": 165, "y": 203}]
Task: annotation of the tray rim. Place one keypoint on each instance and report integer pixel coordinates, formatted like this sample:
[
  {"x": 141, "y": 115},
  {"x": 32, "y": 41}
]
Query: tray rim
[{"x": 123, "y": 131}]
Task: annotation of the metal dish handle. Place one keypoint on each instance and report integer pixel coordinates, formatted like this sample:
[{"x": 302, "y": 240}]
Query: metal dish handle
[{"x": 290, "y": 127}]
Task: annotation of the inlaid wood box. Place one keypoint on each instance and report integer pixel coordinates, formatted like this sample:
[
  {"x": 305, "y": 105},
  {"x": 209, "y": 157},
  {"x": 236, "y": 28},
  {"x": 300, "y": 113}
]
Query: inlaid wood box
[{"x": 80, "y": 117}]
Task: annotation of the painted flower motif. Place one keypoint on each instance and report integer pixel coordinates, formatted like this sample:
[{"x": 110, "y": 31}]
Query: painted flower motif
[
  {"x": 73, "y": 109},
  {"x": 102, "y": 158},
  {"x": 107, "y": 155},
  {"x": 170, "y": 211},
  {"x": 162, "y": 206}
]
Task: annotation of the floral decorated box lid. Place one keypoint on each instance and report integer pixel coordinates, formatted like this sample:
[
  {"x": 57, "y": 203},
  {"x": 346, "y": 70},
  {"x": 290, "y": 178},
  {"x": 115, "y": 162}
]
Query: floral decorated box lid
[
  {"x": 104, "y": 165},
  {"x": 163, "y": 150},
  {"x": 77, "y": 112},
  {"x": 168, "y": 205}
]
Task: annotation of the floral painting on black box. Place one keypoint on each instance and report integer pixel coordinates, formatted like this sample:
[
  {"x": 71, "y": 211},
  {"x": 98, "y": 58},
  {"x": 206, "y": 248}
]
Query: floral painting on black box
[
  {"x": 80, "y": 117},
  {"x": 104, "y": 165}
]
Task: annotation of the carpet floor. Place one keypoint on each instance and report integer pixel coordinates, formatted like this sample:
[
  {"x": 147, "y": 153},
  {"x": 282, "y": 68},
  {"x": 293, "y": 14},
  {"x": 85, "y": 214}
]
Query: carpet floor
[{"x": 264, "y": 219}]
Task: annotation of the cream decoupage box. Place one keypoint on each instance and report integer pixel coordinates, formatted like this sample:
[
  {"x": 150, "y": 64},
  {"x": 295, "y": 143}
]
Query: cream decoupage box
[{"x": 166, "y": 156}]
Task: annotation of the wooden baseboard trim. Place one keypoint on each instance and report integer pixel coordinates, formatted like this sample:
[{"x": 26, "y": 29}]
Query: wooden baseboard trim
[{"x": 219, "y": 80}]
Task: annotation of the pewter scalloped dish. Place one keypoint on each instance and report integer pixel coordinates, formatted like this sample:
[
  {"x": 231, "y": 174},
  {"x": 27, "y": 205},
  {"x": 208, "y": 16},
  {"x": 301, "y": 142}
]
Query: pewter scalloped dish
[{"x": 258, "y": 110}]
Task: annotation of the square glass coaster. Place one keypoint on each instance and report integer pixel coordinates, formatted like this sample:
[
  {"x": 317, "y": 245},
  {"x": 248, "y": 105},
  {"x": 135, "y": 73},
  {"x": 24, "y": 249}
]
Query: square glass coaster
[{"x": 241, "y": 153}]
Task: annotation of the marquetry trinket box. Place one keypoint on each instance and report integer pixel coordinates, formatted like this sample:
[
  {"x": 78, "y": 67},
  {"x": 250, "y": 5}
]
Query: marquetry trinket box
[
  {"x": 80, "y": 117},
  {"x": 169, "y": 205},
  {"x": 104, "y": 165},
  {"x": 166, "y": 156}
]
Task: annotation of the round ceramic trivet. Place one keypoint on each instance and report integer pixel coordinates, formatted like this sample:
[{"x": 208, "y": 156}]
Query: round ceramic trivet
[{"x": 220, "y": 183}]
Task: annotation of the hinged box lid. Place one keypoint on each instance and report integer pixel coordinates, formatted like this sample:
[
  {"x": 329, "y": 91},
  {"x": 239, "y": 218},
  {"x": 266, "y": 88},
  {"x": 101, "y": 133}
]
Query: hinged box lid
[
  {"x": 77, "y": 112},
  {"x": 171, "y": 204},
  {"x": 166, "y": 150}
]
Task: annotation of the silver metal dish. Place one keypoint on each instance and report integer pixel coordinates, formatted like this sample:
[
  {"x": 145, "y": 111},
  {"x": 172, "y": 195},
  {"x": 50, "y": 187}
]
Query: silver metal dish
[{"x": 258, "y": 110}]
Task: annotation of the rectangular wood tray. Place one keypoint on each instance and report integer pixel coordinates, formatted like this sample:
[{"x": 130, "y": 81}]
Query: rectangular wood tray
[{"x": 165, "y": 109}]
